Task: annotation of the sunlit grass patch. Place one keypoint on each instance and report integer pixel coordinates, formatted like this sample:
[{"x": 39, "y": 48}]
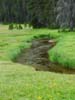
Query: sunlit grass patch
[{"x": 23, "y": 82}]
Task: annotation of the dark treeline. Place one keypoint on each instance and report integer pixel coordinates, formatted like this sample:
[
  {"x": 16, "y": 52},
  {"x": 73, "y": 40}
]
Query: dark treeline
[
  {"x": 36, "y": 12},
  {"x": 39, "y": 13}
]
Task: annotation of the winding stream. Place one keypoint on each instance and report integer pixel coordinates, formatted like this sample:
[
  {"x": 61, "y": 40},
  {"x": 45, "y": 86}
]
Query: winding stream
[{"x": 37, "y": 56}]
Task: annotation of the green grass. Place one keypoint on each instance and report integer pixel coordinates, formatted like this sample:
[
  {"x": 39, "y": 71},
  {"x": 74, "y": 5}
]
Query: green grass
[
  {"x": 18, "y": 82},
  {"x": 22, "y": 82},
  {"x": 64, "y": 52}
]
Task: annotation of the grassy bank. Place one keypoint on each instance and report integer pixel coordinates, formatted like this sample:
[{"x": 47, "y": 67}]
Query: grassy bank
[{"x": 64, "y": 51}]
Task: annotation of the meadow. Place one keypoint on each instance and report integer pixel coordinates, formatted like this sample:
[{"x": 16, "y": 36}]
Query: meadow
[{"x": 22, "y": 82}]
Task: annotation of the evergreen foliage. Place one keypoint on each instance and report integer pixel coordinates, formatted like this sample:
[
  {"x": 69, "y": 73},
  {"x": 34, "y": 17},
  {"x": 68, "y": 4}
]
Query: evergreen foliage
[{"x": 39, "y": 13}]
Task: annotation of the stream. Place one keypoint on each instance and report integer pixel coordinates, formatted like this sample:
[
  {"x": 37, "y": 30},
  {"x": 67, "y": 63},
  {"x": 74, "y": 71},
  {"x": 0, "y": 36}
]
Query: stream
[{"x": 37, "y": 56}]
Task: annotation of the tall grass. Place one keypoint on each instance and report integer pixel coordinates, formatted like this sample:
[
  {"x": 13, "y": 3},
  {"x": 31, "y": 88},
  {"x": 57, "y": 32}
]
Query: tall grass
[{"x": 64, "y": 52}]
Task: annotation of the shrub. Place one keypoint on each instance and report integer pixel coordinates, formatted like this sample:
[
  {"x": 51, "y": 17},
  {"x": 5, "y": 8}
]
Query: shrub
[
  {"x": 25, "y": 25},
  {"x": 16, "y": 26},
  {"x": 20, "y": 26},
  {"x": 11, "y": 26}
]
